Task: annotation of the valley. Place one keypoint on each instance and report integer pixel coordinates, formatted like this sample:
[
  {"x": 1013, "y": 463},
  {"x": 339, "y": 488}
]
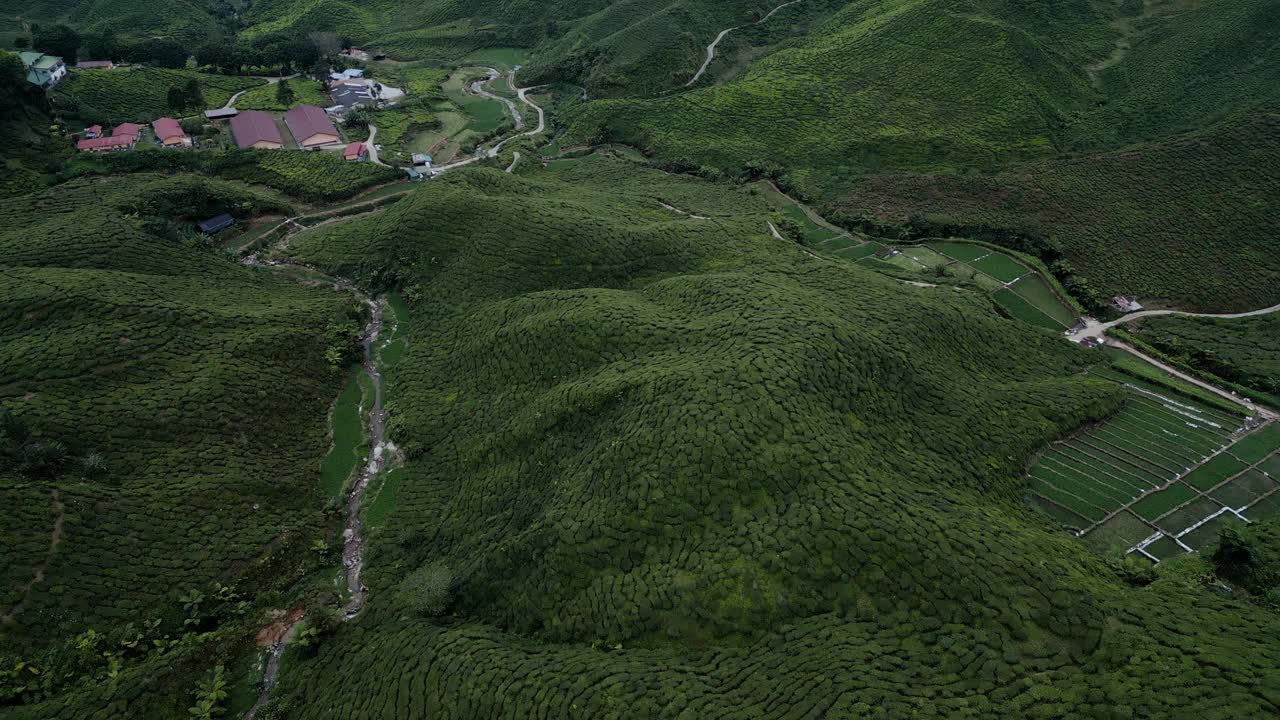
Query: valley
[{"x": 718, "y": 360}]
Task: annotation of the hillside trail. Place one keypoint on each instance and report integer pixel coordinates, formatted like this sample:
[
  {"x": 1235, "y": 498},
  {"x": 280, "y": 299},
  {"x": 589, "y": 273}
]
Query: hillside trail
[
  {"x": 515, "y": 158},
  {"x": 1126, "y": 28},
  {"x": 711, "y": 49},
  {"x": 375, "y": 421},
  {"x": 1095, "y": 329},
  {"x": 60, "y": 512}
]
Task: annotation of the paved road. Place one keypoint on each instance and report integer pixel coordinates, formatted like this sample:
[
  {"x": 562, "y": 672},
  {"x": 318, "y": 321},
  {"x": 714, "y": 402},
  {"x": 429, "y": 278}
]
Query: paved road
[
  {"x": 270, "y": 81},
  {"x": 1093, "y": 328},
  {"x": 477, "y": 87},
  {"x": 493, "y": 152},
  {"x": 373, "y": 149},
  {"x": 515, "y": 159},
  {"x": 711, "y": 49}
]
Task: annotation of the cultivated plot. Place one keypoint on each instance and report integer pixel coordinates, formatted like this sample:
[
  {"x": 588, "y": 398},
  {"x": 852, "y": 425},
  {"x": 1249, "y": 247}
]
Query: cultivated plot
[{"x": 1160, "y": 477}]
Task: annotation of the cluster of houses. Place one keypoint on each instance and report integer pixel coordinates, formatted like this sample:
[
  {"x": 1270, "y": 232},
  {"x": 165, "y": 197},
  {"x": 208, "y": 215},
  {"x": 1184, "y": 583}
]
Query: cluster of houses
[
  {"x": 310, "y": 126},
  {"x": 125, "y": 135}
]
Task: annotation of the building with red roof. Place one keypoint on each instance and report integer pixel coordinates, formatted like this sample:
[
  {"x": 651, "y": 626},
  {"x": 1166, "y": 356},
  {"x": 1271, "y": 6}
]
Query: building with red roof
[
  {"x": 354, "y": 152},
  {"x": 311, "y": 127},
  {"x": 256, "y": 129},
  {"x": 124, "y": 129},
  {"x": 93, "y": 131},
  {"x": 169, "y": 133},
  {"x": 106, "y": 144}
]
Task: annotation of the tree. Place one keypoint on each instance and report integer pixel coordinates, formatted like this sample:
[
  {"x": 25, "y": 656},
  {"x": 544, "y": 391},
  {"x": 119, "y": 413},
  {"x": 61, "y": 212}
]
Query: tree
[
  {"x": 164, "y": 53},
  {"x": 13, "y": 80},
  {"x": 214, "y": 55},
  {"x": 103, "y": 46},
  {"x": 327, "y": 44},
  {"x": 428, "y": 588},
  {"x": 176, "y": 99},
  {"x": 195, "y": 97},
  {"x": 58, "y": 40},
  {"x": 284, "y": 93}
]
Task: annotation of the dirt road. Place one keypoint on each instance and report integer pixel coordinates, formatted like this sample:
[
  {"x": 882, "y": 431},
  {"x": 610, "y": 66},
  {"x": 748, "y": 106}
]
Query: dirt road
[
  {"x": 1253, "y": 409},
  {"x": 493, "y": 152}
]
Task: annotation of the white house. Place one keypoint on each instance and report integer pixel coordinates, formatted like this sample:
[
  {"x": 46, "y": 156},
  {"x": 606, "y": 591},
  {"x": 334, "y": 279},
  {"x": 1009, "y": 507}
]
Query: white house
[{"x": 43, "y": 70}]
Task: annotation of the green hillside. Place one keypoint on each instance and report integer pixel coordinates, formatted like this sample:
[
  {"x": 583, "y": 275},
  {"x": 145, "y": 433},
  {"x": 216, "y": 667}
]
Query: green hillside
[
  {"x": 200, "y": 388},
  {"x": 674, "y": 464},
  {"x": 139, "y": 94},
  {"x": 993, "y": 103},
  {"x": 747, "y": 393},
  {"x": 1186, "y": 221},
  {"x": 185, "y": 21}
]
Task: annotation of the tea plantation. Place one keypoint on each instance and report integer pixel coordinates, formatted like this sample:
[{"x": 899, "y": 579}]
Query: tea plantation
[
  {"x": 864, "y": 115},
  {"x": 743, "y": 394},
  {"x": 140, "y": 95},
  {"x": 164, "y": 418},
  {"x": 674, "y": 466}
]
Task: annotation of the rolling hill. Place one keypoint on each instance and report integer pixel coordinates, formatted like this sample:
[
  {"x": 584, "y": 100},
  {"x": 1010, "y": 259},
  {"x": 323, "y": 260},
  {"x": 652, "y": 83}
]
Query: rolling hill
[
  {"x": 200, "y": 390},
  {"x": 1166, "y": 105},
  {"x": 674, "y": 465}
]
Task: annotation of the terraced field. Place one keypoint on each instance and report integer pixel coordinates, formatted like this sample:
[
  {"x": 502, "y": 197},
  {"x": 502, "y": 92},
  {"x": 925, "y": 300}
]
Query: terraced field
[
  {"x": 1021, "y": 290},
  {"x": 1161, "y": 476}
]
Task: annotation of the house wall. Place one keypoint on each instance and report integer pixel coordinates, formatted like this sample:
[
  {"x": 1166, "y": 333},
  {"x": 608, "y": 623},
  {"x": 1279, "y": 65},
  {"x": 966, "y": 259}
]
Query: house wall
[
  {"x": 319, "y": 139},
  {"x": 267, "y": 145}
]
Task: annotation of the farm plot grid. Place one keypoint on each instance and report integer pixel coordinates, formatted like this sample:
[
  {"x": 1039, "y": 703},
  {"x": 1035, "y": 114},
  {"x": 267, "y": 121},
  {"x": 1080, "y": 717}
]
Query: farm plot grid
[
  {"x": 1016, "y": 287},
  {"x": 1161, "y": 477}
]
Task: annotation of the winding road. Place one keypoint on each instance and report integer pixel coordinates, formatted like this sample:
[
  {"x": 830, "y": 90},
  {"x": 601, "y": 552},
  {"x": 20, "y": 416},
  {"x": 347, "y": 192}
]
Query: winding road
[
  {"x": 711, "y": 49},
  {"x": 231, "y": 103},
  {"x": 523, "y": 94},
  {"x": 1093, "y": 328},
  {"x": 477, "y": 87}
]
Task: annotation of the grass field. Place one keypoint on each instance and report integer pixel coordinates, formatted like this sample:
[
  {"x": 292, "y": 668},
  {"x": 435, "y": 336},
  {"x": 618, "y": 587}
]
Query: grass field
[{"x": 349, "y": 447}]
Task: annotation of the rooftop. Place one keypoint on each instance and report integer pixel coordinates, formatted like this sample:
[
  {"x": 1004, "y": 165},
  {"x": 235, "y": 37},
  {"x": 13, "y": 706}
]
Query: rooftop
[
  {"x": 307, "y": 121},
  {"x": 254, "y": 126},
  {"x": 167, "y": 127},
  {"x": 97, "y": 143}
]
